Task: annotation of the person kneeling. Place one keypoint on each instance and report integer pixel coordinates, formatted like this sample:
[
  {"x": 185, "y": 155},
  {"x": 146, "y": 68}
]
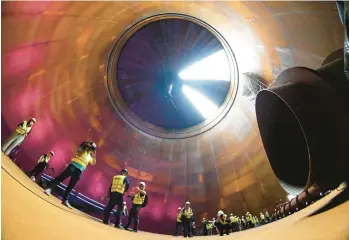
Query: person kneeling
[
  {"x": 222, "y": 223},
  {"x": 139, "y": 200}
]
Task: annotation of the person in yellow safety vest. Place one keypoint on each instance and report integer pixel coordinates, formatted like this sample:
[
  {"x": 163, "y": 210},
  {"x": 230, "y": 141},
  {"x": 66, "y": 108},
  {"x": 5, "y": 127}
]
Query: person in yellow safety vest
[
  {"x": 205, "y": 226},
  {"x": 262, "y": 217},
  {"x": 239, "y": 224},
  {"x": 178, "y": 221},
  {"x": 222, "y": 223},
  {"x": 118, "y": 187},
  {"x": 249, "y": 220},
  {"x": 187, "y": 216},
  {"x": 17, "y": 136},
  {"x": 41, "y": 166},
  {"x": 139, "y": 201},
  {"x": 234, "y": 223},
  {"x": 84, "y": 155}
]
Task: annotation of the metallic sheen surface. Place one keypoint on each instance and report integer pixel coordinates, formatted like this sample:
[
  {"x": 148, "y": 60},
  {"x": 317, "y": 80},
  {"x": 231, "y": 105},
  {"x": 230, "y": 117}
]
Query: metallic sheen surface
[{"x": 53, "y": 69}]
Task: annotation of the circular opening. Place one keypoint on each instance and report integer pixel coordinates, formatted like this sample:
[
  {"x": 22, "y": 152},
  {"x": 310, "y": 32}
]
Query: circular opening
[
  {"x": 284, "y": 141},
  {"x": 172, "y": 76}
]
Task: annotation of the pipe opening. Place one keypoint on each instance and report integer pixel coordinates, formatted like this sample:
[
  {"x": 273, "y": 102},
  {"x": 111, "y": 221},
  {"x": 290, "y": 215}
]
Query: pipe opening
[{"x": 284, "y": 141}]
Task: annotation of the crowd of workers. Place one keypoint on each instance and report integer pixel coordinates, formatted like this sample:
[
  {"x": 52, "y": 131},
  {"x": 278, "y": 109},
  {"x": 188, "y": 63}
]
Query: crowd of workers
[
  {"x": 225, "y": 224},
  {"x": 86, "y": 154}
]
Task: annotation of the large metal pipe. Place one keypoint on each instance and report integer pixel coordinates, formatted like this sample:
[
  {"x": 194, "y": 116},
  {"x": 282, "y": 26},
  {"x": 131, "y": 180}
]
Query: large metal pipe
[{"x": 303, "y": 121}]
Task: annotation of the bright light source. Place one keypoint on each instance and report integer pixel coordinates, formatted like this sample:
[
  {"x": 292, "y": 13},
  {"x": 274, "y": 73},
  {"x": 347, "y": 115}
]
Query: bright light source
[
  {"x": 290, "y": 197},
  {"x": 204, "y": 105},
  {"x": 213, "y": 67}
]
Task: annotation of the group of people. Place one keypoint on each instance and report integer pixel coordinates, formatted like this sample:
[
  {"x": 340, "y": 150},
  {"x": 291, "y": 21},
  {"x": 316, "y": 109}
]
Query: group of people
[
  {"x": 185, "y": 220},
  {"x": 84, "y": 155},
  {"x": 225, "y": 225}
]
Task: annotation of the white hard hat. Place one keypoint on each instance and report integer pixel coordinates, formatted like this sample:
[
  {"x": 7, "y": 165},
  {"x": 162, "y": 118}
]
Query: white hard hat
[
  {"x": 33, "y": 119},
  {"x": 124, "y": 203},
  {"x": 142, "y": 183},
  {"x": 52, "y": 153},
  {"x": 187, "y": 203},
  {"x": 220, "y": 212}
]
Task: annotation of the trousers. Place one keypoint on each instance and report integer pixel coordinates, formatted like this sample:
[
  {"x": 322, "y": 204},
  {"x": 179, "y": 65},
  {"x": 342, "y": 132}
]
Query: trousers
[
  {"x": 223, "y": 228},
  {"x": 39, "y": 168},
  {"x": 178, "y": 226},
  {"x": 11, "y": 142},
  {"x": 134, "y": 215},
  {"x": 71, "y": 171},
  {"x": 187, "y": 226},
  {"x": 115, "y": 199}
]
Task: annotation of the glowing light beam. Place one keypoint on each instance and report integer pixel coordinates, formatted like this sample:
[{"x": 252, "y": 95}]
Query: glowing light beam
[
  {"x": 202, "y": 104},
  {"x": 213, "y": 67}
]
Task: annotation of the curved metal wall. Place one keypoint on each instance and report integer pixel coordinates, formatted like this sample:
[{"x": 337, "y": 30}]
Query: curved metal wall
[{"x": 53, "y": 65}]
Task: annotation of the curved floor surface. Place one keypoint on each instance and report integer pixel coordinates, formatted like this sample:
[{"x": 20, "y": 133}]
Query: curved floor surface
[{"x": 27, "y": 213}]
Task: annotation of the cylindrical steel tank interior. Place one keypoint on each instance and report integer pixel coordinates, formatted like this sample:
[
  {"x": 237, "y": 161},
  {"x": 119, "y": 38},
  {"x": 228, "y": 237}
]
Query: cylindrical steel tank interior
[{"x": 57, "y": 64}]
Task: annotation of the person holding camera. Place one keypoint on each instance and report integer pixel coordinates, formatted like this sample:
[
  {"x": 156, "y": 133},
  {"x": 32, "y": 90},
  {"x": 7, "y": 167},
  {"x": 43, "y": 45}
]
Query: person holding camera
[
  {"x": 41, "y": 166},
  {"x": 85, "y": 154}
]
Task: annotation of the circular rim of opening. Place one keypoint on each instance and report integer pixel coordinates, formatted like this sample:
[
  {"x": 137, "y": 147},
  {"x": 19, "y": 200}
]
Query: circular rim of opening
[{"x": 146, "y": 127}]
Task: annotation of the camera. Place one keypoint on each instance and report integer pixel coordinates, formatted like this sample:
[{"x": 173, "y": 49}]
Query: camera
[{"x": 89, "y": 145}]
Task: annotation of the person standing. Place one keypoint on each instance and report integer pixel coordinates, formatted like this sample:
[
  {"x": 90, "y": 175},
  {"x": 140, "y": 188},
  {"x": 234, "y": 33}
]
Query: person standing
[
  {"x": 187, "y": 214},
  {"x": 85, "y": 154},
  {"x": 262, "y": 217},
  {"x": 41, "y": 166},
  {"x": 139, "y": 201},
  {"x": 178, "y": 221},
  {"x": 118, "y": 187},
  {"x": 18, "y": 136}
]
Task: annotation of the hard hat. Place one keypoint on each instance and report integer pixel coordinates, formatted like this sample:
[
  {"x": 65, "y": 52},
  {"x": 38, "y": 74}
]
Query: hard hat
[
  {"x": 231, "y": 214},
  {"x": 124, "y": 203},
  {"x": 124, "y": 170},
  {"x": 33, "y": 120},
  {"x": 187, "y": 203},
  {"x": 93, "y": 145},
  {"x": 142, "y": 183},
  {"x": 52, "y": 153},
  {"x": 220, "y": 212}
]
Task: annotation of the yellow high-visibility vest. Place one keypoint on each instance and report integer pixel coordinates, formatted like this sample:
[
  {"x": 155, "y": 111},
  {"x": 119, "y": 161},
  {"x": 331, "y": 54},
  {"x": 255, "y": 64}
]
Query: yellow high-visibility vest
[
  {"x": 24, "y": 130},
  {"x": 187, "y": 212},
  {"x": 224, "y": 220},
  {"x": 118, "y": 184},
  {"x": 138, "y": 199},
  {"x": 83, "y": 158},
  {"x": 179, "y": 215},
  {"x": 124, "y": 209},
  {"x": 44, "y": 158}
]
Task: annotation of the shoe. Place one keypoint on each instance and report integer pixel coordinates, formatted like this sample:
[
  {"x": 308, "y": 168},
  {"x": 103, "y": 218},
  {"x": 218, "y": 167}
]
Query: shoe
[
  {"x": 135, "y": 230},
  {"x": 48, "y": 191},
  {"x": 119, "y": 226},
  {"x": 67, "y": 204},
  {"x": 129, "y": 229},
  {"x": 33, "y": 178}
]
